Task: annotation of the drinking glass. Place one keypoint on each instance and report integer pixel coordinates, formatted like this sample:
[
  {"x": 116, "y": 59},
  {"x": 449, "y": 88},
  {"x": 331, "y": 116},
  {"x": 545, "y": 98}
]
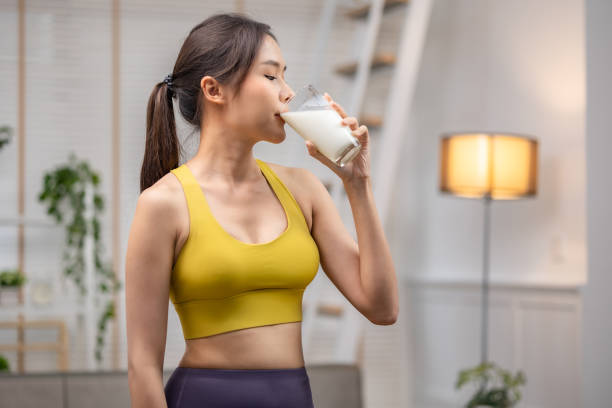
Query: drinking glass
[{"x": 314, "y": 119}]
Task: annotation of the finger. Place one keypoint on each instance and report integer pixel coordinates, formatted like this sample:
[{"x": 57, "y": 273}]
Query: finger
[
  {"x": 334, "y": 105},
  {"x": 361, "y": 130},
  {"x": 314, "y": 152},
  {"x": 338, "y": 109},
  {"x": 362, "y": 135},
  {"x": 351, "y": 122}
]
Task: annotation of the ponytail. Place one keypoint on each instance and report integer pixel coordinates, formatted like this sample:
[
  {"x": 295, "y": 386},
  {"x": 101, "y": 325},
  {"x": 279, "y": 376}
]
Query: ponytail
[{"x": 161, "y": 145}]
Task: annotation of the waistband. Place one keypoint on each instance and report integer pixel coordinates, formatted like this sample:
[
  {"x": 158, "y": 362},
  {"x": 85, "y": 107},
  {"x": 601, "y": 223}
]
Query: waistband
[{"x": 198, "y": 371}]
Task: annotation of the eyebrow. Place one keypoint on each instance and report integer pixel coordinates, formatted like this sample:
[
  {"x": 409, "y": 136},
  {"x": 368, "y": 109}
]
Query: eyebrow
[{"x": 275, "y": 63}]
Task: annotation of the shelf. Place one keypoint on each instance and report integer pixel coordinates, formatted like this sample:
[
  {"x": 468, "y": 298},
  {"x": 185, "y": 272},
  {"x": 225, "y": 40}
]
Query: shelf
[
  {"x": 60, "y": 346},
  {"x": 381, "y": 59},
  {"x": 362, "y": 11},
  {"x": 31, "y": 324},
  {"x": 27, "y": 221},
  {"x": 10, "y": 312},
  {"x": 46, "y": 346}
]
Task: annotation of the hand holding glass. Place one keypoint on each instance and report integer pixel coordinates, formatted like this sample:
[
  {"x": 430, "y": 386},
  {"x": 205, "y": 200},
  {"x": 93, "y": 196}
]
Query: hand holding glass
[{"x": 311, "y": 116}]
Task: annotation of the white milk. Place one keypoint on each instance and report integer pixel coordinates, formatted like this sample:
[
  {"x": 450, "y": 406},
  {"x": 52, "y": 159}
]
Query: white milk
[{"x": 323, "y": 128}]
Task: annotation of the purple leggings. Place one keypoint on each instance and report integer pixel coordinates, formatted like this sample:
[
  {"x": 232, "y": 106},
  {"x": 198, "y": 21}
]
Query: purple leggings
[{"x": 190, "y": 387}]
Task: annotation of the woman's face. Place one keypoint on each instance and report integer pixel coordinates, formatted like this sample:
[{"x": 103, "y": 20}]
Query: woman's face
[{"x": 254, "y": 112}]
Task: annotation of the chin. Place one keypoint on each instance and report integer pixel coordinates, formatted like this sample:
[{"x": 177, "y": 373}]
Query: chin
[{"x": 279, "y": 137}]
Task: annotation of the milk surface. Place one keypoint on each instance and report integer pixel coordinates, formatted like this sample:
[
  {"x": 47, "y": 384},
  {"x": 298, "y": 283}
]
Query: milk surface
[{"x": 323, "y": 128}]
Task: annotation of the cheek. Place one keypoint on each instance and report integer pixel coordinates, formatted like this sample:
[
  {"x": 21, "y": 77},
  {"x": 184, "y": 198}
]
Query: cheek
[
  {"x": 249, "y": 118},
  {"x": 254, "y": 107}
]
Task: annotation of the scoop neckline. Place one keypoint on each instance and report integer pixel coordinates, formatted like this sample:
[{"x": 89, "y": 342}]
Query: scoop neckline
[{"x": 220, "y": 227}]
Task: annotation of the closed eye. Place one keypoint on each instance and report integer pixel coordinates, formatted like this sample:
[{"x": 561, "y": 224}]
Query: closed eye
[{"x": 270, "y": 76}]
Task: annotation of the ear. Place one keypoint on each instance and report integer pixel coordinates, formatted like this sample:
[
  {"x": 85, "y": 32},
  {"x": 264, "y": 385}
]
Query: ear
[{"x": 212, "y": 89}]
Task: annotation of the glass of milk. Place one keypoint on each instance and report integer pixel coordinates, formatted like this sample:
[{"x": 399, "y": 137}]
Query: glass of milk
[{"x": 311, "y": 116}]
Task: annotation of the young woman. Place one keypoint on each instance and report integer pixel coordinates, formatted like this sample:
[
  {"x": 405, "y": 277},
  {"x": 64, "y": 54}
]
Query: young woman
[{"x": 233, "y": 241}]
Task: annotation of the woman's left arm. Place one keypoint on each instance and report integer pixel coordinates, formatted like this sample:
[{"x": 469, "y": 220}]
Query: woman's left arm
[
  {"x": 375, "y": 263},
  {"x": 372, "y": 257}
]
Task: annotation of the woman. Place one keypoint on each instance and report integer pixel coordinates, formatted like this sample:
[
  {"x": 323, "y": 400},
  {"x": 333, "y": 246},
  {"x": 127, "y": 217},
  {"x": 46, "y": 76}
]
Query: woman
[{"x": 233, "y": 241}]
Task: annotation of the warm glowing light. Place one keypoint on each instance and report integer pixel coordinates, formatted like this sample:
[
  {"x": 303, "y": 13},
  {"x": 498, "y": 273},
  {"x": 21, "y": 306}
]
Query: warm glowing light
[{"x": 503, "y": 166}]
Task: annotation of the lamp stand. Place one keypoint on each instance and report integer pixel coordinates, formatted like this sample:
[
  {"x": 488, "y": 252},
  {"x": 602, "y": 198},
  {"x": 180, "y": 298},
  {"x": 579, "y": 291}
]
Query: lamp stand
[{"x": 485, "y": 280}]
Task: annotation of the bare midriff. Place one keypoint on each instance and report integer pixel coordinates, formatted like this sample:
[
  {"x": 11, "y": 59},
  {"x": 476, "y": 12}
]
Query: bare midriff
[{"x": 264, "y": 347}]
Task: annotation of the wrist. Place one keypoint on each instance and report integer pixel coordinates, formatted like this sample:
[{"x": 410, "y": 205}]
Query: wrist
[{"x": 357, "y": 182}]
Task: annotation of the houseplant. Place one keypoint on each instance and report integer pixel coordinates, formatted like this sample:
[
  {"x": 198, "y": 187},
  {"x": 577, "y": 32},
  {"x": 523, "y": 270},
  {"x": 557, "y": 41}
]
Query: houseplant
[
  {"x": 495, "y": 387},
  {"x": 4, "y": 364},
  {"x": 65, "y": 194},
  {"x": 10, "y": 282},
  {"x": 5, "y": 135}
]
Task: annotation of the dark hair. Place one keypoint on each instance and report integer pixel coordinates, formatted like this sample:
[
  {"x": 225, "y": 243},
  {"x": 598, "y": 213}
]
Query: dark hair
[{"x": 223, "y": 46}]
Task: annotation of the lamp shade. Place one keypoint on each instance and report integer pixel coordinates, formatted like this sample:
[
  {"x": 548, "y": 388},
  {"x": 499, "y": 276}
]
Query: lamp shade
[{"x": 499, "y": 165}]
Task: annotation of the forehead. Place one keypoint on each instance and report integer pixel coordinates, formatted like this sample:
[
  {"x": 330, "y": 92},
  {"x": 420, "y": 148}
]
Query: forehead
[{"x": 269, "y": 55}]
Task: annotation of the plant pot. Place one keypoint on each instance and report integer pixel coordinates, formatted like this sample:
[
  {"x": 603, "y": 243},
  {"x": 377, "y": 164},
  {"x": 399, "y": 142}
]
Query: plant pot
[
  {"x": 41, "y": 292},
  {"x": 9, "y": 295}
]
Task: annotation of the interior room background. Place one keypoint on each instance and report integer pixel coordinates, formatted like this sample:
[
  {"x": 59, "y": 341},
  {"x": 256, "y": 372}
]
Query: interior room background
[{"x": 487, "y": 64}]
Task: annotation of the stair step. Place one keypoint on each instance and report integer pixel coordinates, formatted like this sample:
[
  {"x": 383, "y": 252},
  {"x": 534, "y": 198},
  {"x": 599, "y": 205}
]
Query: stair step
[
  {"x": 327, "y": 309},
  {"x": 370, "y": 120},
  {"x": 362, "y": 11},
  {"x": 381, "y": 59},
  {"x": 330, "y": 310}
]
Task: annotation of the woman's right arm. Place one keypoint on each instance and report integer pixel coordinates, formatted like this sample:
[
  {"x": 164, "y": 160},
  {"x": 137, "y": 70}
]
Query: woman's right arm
[{"x": 148, "y": 267}]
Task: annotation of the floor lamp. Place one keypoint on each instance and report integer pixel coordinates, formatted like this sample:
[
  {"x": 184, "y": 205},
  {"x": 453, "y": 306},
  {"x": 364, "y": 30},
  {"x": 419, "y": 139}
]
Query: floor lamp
[{"x": 488, "y": 166}]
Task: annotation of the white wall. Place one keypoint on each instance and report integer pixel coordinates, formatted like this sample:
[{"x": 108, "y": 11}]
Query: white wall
[
  {"x": 502, "y": 66},
  {"x": 67, "y": 109},
  {"x": 597, "y": 324},
  {"x": 534, "y": 330}
]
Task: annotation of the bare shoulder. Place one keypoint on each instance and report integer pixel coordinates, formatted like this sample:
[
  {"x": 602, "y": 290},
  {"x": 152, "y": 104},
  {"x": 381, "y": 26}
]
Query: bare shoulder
[
  {"x": 302, "y": 183},
  {"x": 163, "y": 199},
  {"x": 285, "y": 172},
  {"x": 163, "y": 193},
  {"x": 302, "y": 180}
]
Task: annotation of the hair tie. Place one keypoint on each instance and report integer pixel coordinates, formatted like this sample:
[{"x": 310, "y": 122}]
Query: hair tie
[{"x": 169, "y": 83}]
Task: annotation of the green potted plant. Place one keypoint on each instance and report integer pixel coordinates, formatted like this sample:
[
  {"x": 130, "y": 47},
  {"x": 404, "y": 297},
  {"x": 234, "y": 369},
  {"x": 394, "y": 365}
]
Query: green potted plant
[
  {"x": 64, "y": 193},
  {"x": 495, "y": 387},
  {"x": 4, "y": 364},
  {"x": 10, "y": 282},
  {"x": 5, "y": 135}
]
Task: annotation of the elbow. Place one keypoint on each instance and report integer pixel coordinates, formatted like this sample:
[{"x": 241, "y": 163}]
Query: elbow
[
  {"x": 143, "y": 367},
  {"x": 388, "y": 320},
  {"x": 385, "y": 319}
]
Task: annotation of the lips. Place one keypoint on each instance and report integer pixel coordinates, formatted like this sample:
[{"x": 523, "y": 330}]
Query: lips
[{"x": 279, "y": 117}]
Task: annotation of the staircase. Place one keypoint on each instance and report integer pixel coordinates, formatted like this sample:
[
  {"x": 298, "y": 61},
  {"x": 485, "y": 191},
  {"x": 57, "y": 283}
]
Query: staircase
[{"x": 325, "y": 306}]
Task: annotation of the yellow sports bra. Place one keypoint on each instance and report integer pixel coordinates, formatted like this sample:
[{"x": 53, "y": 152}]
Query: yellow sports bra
[{"x": 220, "y": 283}]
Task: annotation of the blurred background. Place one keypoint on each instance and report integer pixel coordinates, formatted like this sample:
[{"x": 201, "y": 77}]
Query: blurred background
[{"x": 75, "y": 77}]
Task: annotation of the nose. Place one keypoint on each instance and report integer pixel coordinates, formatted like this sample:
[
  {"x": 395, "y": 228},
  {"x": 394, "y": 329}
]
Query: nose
[{"x": 289, "y": 96}]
